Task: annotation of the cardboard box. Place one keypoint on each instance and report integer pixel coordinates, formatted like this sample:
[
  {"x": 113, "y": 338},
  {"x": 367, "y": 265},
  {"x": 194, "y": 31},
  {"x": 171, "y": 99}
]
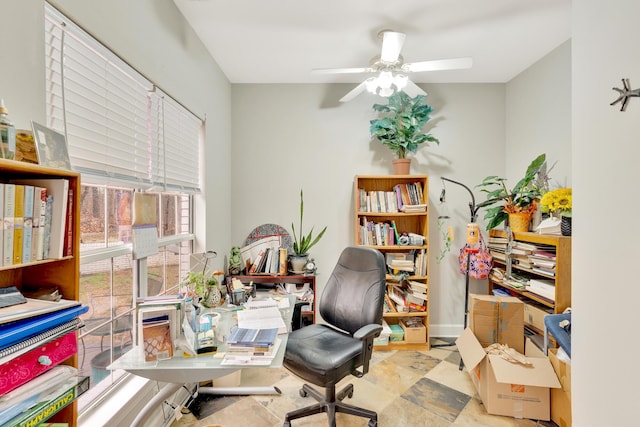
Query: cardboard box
[
  {"x": 534, "y": 315},
  {"x": 507, "y": 388},
  {"x": 561, "y": 397},
  {"x": 414, "y": 334},
  {"x": 495, "y": 318}
]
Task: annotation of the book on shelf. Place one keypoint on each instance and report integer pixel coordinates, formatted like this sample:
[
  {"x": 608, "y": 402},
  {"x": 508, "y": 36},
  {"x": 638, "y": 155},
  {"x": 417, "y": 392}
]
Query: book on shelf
[
  {"x": 24, "y": 398},
  {"x": 51, "y": 403},
  {"x": 35, "y": 224},
  {"x": 282, "y": 261},
  {"x": 414, "y": 208},
  {"x": 252, "y": 337},
  {"x": 27, "y": 224},
  {"x": 544, "y": 270},
  {"x": 543, "y": 287},
  {"x": 22, "y": 347},
  {"x": 46, "y": 240},
  {"x": 9, "y": 213},
  {"x": 390, "y": 304},
  {"x": 24, "y": 367},
  {"x": 543, "y": 263},
  {"x": 16, "y": 331},
  {"x": 18, "y": 224},
  {"x": 416, "y": 286},
  {"x": 58, "y": 188},
  {"x": 67, "y": 249}
]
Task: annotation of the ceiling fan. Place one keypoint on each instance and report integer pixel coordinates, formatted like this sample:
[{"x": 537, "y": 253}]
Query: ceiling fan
[{"x": 390, "y": 71}]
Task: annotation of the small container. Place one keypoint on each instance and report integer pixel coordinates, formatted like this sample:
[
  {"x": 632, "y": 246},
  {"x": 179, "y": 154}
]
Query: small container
[
  {"x": 7, "y": 134},
  {"x": 397, "y": 333}
]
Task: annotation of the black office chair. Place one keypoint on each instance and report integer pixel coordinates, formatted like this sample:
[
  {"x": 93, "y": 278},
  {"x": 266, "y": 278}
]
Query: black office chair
[{"x": 323, "y": 354}]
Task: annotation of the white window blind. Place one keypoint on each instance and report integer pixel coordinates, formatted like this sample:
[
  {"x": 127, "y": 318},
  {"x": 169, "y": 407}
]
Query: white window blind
[{"x": 120, "y": 128}]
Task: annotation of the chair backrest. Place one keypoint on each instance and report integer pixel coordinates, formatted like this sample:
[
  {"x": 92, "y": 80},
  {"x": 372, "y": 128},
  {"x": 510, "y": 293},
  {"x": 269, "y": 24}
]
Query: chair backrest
[{"x": 354, "y": 294}]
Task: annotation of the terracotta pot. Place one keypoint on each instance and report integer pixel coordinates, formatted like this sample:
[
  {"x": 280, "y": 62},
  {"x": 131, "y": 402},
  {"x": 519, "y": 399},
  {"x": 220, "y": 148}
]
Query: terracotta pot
[
  {"x": 401, "y": 166},
  {"x": 519, "y": 221}
]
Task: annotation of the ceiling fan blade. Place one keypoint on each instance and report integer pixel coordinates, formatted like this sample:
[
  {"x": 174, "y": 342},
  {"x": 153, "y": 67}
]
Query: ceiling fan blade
[
  {"x": 391, "y": 46},
  {"x": 341, "y": 70},
  {"x": 439, "y": 64},
  {"x": 413, "y": 89},
  {"x": 354, "y": 92}
]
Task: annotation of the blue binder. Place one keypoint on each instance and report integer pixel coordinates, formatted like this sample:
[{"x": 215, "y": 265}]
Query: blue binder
[{"x": 15, "y": 332}]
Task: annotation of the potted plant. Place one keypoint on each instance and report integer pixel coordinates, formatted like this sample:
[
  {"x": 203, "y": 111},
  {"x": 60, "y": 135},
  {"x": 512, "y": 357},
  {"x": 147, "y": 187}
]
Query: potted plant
[
  {"x": 400, "y": 128},
  {"x": 517, "y": 204},
  {"x": 559, "y": 202},
  {"x": 302, "y": 243}
]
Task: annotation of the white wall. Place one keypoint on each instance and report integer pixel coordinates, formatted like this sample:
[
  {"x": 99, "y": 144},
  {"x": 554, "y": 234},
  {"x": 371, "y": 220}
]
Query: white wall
[
  {"x": 605, "y": 154},
  {"x": 287, "y": 137},
  {"x": 538, "y": 117}
]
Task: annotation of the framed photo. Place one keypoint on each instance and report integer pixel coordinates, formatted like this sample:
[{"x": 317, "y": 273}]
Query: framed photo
[
  {"x": 51, "y": 147},
  {"x": 26, "y": 147}
]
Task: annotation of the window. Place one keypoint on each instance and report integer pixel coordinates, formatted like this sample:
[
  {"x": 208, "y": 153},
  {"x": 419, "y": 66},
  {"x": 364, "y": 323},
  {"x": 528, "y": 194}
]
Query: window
[{"x": 125, "y": 135}]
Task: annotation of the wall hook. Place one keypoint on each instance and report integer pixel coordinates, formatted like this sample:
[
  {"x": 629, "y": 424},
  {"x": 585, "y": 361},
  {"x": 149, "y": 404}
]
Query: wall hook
[{"x": 625, "y": 94}]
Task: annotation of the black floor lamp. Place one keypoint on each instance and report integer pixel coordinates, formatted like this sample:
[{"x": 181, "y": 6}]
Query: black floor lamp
[{"x": 473, "y": 216}]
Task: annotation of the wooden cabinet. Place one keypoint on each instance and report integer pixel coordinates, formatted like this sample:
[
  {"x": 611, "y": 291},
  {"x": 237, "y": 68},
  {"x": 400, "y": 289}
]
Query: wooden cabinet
[
  {"x": 294, "y": 283},
  {"x": 62, "y": 273},
  {"x": 406, "y": 223},
  {"x": 537, "y": 306}
]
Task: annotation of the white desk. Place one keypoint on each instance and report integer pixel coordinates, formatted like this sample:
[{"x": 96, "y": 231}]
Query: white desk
[{"x": 179, "y": 371}]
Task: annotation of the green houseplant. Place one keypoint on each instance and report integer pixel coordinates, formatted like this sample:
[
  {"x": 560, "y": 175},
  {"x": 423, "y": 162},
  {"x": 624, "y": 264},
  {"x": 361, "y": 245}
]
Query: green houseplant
[
  {"x": 301, "y": 242},
  {"x": 400, "y": 128},
  {"x": 521, "y": 199}
]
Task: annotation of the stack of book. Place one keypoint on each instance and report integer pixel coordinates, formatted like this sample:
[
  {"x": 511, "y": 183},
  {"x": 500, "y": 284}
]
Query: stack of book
[
  {"x": 403, "y": 299},
  {"x": 251, "y": 346},
  {"x": 33, "y": 391},
  {"x": 544, "y": 261},
  {"x": 542, "y": 287}
]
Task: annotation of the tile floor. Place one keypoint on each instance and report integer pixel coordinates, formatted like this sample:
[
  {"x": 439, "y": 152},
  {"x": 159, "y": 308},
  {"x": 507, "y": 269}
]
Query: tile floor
[{"x": 408, "y": 388}]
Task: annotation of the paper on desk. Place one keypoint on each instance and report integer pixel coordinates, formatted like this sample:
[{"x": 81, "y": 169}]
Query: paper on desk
[
  {"x": 262, "y": 318},
  {"x": 266, "y": 303}
]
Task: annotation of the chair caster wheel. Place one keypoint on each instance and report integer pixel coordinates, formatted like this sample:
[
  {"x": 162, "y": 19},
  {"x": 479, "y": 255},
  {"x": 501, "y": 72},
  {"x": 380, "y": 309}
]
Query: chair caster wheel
[
  {"x": 350, "y": 395},
  {"x": 286, "y": 424},
  {"x": 373, "y": 423},
  {"x": 303, "y": 393}
]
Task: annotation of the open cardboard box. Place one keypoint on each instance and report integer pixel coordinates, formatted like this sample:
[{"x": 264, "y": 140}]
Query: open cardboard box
[
  {"x": 561, "y": 397},
  {"x": 507, "y": 388}
]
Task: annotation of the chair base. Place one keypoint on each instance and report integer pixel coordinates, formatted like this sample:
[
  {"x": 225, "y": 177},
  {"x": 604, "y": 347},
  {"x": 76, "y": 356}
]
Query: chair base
[{"x": 330, "y": 404}]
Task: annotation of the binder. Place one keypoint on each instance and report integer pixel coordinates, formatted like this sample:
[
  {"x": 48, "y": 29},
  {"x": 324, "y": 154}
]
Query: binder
[{"x": 13, "y": 333}]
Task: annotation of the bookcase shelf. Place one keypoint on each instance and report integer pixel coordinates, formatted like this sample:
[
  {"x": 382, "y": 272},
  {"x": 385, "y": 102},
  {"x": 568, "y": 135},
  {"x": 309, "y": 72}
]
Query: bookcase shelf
[
  {"x": 63, "y": 273},
  {"x": 535, "y": 305},
  {"x": 405, "y": 222}
]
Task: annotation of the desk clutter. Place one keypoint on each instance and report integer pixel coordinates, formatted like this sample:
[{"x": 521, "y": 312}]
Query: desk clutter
[{"x": 174, "y": 326}]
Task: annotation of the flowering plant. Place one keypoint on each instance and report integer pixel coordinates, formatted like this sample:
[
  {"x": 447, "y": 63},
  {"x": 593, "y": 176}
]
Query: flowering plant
[{"x": 557, "y": 201}]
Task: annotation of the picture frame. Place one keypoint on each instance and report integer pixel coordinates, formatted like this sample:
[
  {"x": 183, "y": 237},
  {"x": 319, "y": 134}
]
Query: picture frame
[{"x": 51, "y": 147}]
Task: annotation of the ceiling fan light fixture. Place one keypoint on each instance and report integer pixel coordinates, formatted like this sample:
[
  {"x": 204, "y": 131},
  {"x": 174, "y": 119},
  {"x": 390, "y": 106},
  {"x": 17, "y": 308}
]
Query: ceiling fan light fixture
[
  {"x": 400, "y": 81},
  {"x": 385, "y": 79},
  {"x": 372, "y": 85}
]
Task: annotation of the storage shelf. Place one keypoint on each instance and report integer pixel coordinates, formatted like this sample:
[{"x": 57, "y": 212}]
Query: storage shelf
[{"x": 406, "y": 222}]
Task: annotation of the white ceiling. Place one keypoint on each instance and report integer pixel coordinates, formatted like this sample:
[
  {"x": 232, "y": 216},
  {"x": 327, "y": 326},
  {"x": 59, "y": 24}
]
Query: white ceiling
[{"x": 281, "y": 41}]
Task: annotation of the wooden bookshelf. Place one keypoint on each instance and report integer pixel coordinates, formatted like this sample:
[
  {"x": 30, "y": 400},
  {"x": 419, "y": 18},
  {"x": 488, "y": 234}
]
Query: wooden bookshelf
[
  {"x": 562, "y": 277},
  {"x": 64, "y": 273},
  {"x": 413, "y": 222}
]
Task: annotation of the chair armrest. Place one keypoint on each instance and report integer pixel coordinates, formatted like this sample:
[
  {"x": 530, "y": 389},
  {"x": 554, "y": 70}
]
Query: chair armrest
[
  {"x": 368, "y": 331},
  {"x": 366, "y": 334}
]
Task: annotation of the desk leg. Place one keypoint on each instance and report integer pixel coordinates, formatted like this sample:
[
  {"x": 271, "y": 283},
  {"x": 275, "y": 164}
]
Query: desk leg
[
  {"x": 164, "y": 393},
  {"x": 242, "y": 391}
]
